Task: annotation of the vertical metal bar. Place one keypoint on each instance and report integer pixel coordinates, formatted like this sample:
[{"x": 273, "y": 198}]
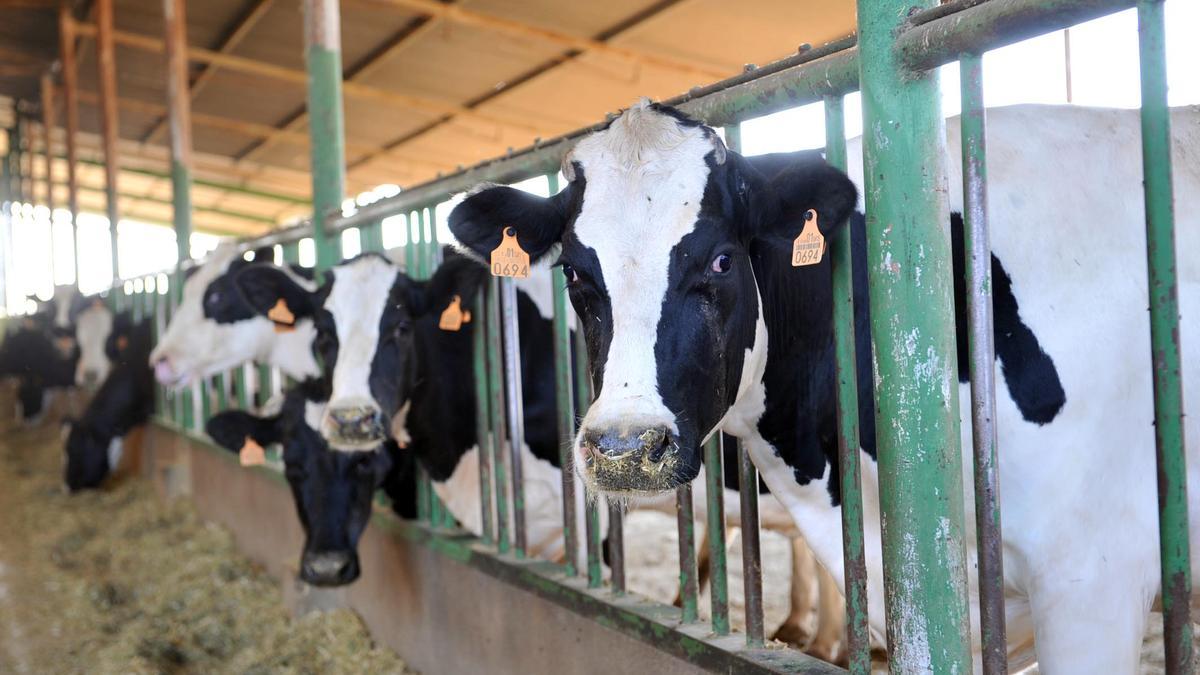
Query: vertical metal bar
[
  {"x": 372, "y": 236},
  {"x": 854, "y": 559},
  {"x": 49, "y": 122},
  {"x": 326, "y": 128},
  {"x": 980, "y": 340},
  {"x": 239, "y": 387},
  {"x": 483, "y": 416},
  {"x": 1164, "y": 339},
  {"x": 106, "y": 63},
  {"x": 435, "y": 254},
  {"x": 920, "y": 463},
  {"x": 689, "y": 585},
  {"x": 718, "y": 580},
  {"x": 751, "y": 549},
  {"x": 565, "y": 399},
  {"x": 496, "y": 396},
  {"x": 410, "y": 245},
  {"x": 616, "y": 547},
  {"x": 591, "y": 507},
  {"x": 516, "y": 410},
  {"x": 422, "y": 250},
  {"x": 179, "y": 118},
  {"x": 66, "y": 31}
]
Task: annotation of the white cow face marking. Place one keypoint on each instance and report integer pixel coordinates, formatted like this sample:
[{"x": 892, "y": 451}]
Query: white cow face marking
[
  {"x": 213, "y": 329},
  {"x": 662, "y": 235},
  {"x": 92, "y": 328}
]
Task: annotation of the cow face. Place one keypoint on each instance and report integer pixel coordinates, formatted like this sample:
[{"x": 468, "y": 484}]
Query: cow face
[
  {"x": 662, "y": 232},
  {"x": 213, "y": 329},
  {"x": 333, "y": 491},
  {"x": 92, "y": 328},
  {"x": 363, "y": 316}
]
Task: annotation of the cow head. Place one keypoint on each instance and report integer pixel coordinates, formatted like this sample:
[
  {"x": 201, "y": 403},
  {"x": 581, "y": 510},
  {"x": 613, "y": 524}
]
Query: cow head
[
  {"x": 333, "y": 491},
  {"x": 662, "y": 232},
  {"x": 363, "y": 315},
  {"x": 214, "y": 329},
  {"x": 92, "y": 328}
]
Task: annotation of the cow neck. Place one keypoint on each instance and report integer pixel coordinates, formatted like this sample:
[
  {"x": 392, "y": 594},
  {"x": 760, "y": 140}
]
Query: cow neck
[{"x": 441, "y": 419}]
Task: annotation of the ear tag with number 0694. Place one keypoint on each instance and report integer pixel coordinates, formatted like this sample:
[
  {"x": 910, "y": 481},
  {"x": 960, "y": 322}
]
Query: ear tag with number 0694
[
  {"x": 509, "y": 259},
  {"x": 809, "y": 247}
]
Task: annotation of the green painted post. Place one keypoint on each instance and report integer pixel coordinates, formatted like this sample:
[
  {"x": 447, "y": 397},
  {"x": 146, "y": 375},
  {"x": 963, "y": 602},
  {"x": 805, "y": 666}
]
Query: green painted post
[
  {"x": 854, "y": 557},
  {"x": 326, "y": 128},
  {"x": 421, "y": 248},
  {"x": 565, "y": 400},
  {"x": 291, "y": 253},
  {"x": 1164, "y": 339},
  {"x": 718, "y": 579},
  {"x": 499, "y": 424},
  {"x": 240, "y": 389},
  {"x": 912, "y": 321},
  {"x": 591, "y": 512},
  {"x": 372, "y": 236},
  {"x": 410, "y": 244},
  {"x": 482, "y": 415}
]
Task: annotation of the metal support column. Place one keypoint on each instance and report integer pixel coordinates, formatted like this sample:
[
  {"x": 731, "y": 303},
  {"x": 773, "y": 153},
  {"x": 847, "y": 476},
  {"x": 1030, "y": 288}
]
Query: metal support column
[
  {"x": 49, "y": 122},
  {"x": 179, "y": 117},
  {"x": 1164, "y": 339},
  {"x": 326, "y": 128},
  {"x": 70, "y": 75},
  {"x": 912, "y": 320},
  {"x": 106, "y": 63}
]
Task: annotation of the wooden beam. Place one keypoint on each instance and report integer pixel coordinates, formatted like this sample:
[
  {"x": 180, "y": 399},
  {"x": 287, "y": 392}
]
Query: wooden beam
[
  {"x": 70, "y": 74},
  {"x": 106, "y": 65},
  {"x": 420, "y": 104},
  {"x": 233, "y": 37},
  {"x": 524, "y": 31},
  {"x": 398, "y": 41},
  {"x": 49, "y": 123}
]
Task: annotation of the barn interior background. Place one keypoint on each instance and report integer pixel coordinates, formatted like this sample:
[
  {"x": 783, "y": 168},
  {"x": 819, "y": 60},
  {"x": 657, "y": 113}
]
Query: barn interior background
[{"x": 421, "y": 92}]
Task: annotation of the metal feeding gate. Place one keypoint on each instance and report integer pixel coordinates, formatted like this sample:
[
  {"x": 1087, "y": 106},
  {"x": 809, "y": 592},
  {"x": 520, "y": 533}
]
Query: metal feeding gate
[{"x": 898, "y": 47}]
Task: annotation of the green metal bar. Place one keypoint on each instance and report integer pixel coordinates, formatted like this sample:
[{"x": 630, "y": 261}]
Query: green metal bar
[
  {"x": 372, "y": 236},
  {"x": 264, "y": 384},
  {"x": 689, "y": 584},
  {"x": 980, "y": 339},
  {"x": 591, "y": 507},
  {"x": 291, "y": 253},
  {"x": 854, "y": 557},
  {"x": 240, "y": 388},
  {"x": 410, "y": 244},
  {"x": 435, "y": 254},
  {"x": 422, "y": 248},
  {"x": 424, "y": 490},
  {"x": 718, "y": 578},
  {"x": 205, "y": 401},
  {"x": 326, "y": 128},
  {"x": 483, "y": 416},
  {"x": 499, "y": 429},
  {"x": 222, "y": 395},
  {"x": 565, "y": 399},
  {"x": 912, "y": 322},
  {"x": 1164, "y": 339}
]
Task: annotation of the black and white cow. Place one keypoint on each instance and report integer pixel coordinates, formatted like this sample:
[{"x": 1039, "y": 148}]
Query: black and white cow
[
  {"x": 41, "y": 360},
  {"x": 124, "y": 400},
  {"x": 213, "y": 329},
  {"x": 93, "y": 326},
  {"x": 677, "y": 253}
]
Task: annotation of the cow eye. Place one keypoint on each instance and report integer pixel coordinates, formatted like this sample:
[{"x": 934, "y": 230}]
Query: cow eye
[
  {"x": 721, "y": 264},
  {"x": 403, "y": 326},
  {"x": 570, "y": 273},
  {"x": 213, "y": 298}
]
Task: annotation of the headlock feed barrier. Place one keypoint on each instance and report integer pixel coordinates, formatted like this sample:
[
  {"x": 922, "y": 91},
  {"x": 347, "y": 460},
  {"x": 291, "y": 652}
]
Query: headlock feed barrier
[{"x": 899, "y": 45}]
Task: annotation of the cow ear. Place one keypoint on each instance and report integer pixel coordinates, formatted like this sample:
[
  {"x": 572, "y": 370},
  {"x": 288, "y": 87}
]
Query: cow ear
[
  {"x": 231, "y": 428},
  {"x": 458, "y": 276},
  {"x": 273, "y": 294},
  {"x": 781, "y": 203},
  {"x": 479, "y": 221}
]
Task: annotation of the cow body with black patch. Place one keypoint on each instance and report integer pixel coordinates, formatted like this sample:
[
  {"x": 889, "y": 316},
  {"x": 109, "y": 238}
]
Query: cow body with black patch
[
  {"x": 678, "y": 257},
  {"x": 124, "y": 400}
]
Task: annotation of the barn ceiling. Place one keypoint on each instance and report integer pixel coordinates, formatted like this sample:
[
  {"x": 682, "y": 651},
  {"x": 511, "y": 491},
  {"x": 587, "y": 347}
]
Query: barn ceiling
[{"x": 429, "y": 85}]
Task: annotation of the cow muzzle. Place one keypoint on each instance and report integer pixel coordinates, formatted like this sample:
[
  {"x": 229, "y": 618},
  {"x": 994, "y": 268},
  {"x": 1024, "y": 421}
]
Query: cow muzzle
[
  {"x": 645, "y": 460},
  {"x": 354, "y": 426},
  {"x": 329, "y": 568}
]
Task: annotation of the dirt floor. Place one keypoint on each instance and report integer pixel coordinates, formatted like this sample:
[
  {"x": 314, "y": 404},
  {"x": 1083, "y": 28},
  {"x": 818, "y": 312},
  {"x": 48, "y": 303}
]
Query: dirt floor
[{"x": 117, "y": 582}]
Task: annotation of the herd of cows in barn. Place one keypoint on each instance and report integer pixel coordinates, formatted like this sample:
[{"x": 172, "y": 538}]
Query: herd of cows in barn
[{"x": 676, "y": 251}]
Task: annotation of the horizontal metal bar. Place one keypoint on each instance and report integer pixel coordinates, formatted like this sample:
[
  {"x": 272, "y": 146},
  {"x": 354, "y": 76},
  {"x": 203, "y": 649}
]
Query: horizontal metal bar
[{"x": 978, "y": 28}]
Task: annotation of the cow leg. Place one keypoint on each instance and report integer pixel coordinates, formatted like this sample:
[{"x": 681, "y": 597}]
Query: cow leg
[
  {"x": 831, "y": 621},
  {"x": 1089, "y": 628},
  {"x": 795, "y": 629}
]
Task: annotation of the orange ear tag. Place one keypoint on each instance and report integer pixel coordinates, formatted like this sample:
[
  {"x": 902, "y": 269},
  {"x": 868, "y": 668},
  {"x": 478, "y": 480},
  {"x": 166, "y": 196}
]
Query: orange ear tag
[
  {"x": 252, "y": 454},
  {"x": 453, "y": 317},
  {"x": 122, "y": 343},
  {"x": 509, "y": 259},
  {"x": 809, "y": 247},
  {"x": 285, "y": 321}
]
